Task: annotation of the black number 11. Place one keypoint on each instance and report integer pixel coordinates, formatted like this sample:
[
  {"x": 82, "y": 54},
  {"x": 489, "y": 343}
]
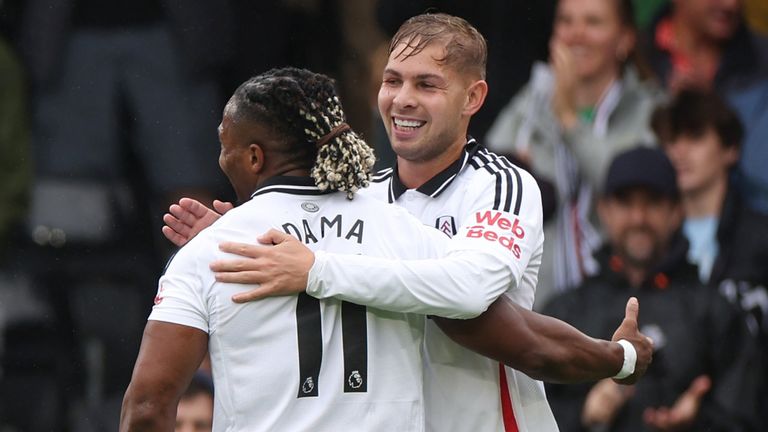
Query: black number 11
[{"x": 354, "y": 328}]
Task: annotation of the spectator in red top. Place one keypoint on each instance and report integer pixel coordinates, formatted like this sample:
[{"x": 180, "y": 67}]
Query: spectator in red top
[{"x": 705, "y": 43}]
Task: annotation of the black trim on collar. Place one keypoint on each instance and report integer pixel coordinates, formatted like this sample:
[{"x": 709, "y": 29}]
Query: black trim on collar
[
  {"x": 291, "y": 185},
  {"x": 437, "y": 184}
]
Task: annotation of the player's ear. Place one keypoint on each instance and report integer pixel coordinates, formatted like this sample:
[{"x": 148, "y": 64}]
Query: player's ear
[
  {"x": 476, "y": 93},
  {"x": 256, "y": 154}
]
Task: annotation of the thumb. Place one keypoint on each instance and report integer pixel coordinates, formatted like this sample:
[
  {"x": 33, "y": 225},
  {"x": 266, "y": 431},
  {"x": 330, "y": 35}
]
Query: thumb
[
  {"x": 222, "y": 207},
  {"x": 700, "y": 386},
  {"x": 274, "y": 237},
  {"x": 632, "y": 310}
]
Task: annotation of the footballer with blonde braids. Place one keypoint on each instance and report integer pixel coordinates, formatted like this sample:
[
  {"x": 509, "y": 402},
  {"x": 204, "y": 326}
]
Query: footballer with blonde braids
[
  {"x": 432, "y": 85},
  {"x": 294, "y": 362}
]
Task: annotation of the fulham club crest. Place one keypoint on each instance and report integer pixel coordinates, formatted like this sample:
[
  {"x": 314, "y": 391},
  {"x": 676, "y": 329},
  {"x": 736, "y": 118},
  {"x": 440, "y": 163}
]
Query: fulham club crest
[{"x": 447, "y": 225}]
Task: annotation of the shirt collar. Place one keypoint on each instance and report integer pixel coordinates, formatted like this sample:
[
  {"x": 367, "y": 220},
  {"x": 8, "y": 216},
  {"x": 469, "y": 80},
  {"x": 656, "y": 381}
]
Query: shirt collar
[
  {"x": 437, "y": 184},
  {"x": 291, "y": 185}
]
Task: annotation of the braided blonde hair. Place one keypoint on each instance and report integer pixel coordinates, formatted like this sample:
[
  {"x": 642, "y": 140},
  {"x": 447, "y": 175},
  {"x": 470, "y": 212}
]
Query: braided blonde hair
[{"x": 303, "y": 107}]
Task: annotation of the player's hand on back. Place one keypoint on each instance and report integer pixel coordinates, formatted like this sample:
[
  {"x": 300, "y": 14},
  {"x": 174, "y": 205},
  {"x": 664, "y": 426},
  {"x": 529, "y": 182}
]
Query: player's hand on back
[
  {"x": 643, "y": 345},
  {"x": 279, "y": 269},
  {"x": 188, "y": 217}
]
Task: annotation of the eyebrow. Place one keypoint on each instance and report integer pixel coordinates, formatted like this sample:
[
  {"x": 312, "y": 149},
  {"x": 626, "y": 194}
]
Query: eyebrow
[
  {"x": 418, "y": 76},
  {"x": 392, "y": 72}
]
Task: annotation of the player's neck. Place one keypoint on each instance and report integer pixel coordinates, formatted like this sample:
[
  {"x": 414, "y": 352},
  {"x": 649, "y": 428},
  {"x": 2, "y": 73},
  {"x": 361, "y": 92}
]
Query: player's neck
[
  {"x": 415, "y": 173},
  {"x": 282, "y": 171}
]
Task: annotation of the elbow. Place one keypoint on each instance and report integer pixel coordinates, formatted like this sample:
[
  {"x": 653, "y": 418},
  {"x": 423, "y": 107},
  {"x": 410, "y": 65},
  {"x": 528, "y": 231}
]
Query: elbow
[
  {"x": 476, "y": 293},
  {"x": 468, "y": 306},
  {"x": 531, "y": 363},
  {"x": 476, "y": 305}
]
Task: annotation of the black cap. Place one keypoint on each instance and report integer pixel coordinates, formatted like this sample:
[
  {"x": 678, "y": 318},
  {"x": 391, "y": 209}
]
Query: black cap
[{"x": 642, "y": 167}]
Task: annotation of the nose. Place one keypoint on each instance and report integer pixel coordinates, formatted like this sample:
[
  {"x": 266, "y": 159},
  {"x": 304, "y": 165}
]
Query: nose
[
  {"x": 638, "y": 212},
  {"x": 404, "y": 97},
  {"x": 571, "y": 32}
]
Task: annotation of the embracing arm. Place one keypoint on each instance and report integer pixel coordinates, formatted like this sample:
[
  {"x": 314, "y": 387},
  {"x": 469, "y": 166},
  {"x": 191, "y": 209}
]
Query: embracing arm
[
  {"x": 468, "y": 282},
  {"x": 169, "y": 356},
  {"x": 289, "y": 267},
  {"x": 546, "y": 348}
]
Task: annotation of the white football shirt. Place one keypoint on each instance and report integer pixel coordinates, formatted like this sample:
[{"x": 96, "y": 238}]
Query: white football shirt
[
  {"x": 493, "y": 211},
  {"x": 296, "y": 363}
]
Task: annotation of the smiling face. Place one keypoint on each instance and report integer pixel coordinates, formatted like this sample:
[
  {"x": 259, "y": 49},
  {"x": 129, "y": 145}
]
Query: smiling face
[
  {"x": 700, "y": 161},
  {"x": 639, "y": 224},
  {"x": 425, "y": 104},
  {"x": 714, "y": 19},
  {"x": 594, "y": 34}
]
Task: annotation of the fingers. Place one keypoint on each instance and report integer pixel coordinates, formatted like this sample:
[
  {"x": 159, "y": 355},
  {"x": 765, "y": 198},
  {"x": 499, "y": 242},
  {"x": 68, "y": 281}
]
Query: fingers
[
  {"x": 657, "y": 417},
  {"x": 183, "y": 214},
  {"x": 234, "y": 265},
  {"x": 247, "y": 277},
  {"x": 174, "y": 237},
  {"x": 274, "y": 237},
  {"x": 193, "y": 206},
  {"x": 632, "y": 310},
  {"x": 259, "y": 293},
  {"x": 222, "y": 206},
  {"x": 700, "y": 386},
  {"x": 176, "y": 231},
  {"x": 243, "y": 249},
  {"x": 176, "y": 225}
]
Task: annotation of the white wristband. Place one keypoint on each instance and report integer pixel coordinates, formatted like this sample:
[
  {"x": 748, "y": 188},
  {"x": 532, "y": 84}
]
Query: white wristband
[{"x": 630, "y": 359}]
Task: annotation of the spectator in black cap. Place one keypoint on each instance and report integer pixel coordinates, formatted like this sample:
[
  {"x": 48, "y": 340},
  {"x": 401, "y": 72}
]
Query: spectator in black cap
[{"x": 701, "y": 345}]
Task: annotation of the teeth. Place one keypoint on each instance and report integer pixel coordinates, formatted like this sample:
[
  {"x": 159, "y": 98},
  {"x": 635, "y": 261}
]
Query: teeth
[{"x": 408, "y": 123}]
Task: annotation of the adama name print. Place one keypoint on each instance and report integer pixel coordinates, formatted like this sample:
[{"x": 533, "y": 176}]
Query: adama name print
[
  {"x": 332, "y": 227},
  {"x": 494, "y": 227}
]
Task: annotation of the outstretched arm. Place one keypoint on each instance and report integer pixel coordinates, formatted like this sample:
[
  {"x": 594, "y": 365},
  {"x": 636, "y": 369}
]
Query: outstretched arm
[
  {"x": 546, "y": 348},
  {"x": 541, "y": 346},
  {"x": 169, "y": 356}
]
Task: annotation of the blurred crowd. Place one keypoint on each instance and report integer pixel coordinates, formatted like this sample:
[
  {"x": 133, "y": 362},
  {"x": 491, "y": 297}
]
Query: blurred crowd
[{"x": 644, "y": 122}]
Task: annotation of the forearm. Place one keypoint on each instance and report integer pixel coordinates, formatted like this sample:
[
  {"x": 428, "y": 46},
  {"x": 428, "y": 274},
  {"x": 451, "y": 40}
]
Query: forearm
[
  {"x": 146, "y": 413},
  {"x": 461, "y": 285},
  {"x": 540, "y": 346}
]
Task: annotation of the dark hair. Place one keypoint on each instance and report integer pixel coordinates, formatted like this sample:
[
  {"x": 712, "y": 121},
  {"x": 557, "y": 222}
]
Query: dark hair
[
  {"x": 626, "y": 12},
  {"x": 302, "y": 108},
  {"x": 201, "y": 384},
  {"x": 691, "y": 113},
  {"x": 465, "y": 48}
]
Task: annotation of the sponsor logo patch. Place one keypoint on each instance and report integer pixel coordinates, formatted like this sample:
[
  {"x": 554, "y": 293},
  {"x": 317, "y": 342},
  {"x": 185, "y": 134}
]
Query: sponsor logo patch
[{"x": 494, "y": 227}]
